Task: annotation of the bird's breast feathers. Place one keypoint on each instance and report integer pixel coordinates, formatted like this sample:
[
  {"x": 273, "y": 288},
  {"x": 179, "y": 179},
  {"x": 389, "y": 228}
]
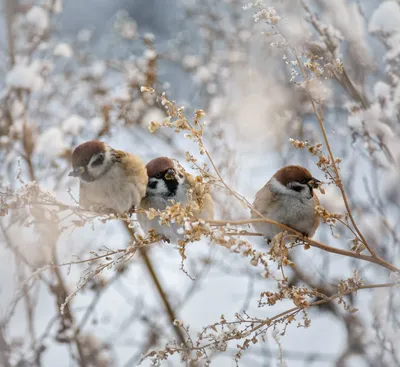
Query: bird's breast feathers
[
  {"x": 122, "y": 187},
  {"x": 285, "y": 209}
]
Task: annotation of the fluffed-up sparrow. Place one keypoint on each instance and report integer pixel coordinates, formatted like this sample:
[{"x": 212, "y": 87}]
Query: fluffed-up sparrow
[
  {"x": 288, "y": 198},
  {"x": 110, "y": 179},
  {"x": 165, "y": 187}
]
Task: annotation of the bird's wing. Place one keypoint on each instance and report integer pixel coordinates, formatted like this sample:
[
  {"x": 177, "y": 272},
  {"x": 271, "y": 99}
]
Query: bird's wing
[
  {"x": 208, "y": 208},
  {"x": 316, "y": 216},
  {"x": 135, "y": 170},
  {"x": 265, "y": 201}
]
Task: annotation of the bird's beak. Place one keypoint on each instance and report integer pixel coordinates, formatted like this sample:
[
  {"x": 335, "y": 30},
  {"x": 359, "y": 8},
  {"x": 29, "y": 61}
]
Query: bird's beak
[
  {"x": 170, "y": 175},
  {"x": 77, "y": 172},
  {"x": 314, "y": 183}
]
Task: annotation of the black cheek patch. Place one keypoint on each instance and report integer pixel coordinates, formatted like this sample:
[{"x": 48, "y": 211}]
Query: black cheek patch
[
  {"x": 297, "y": 188},
  {"x": 172, "y": 186},
  {"x": 98, "y": 161},
  {"x": 152, "y": 184}
]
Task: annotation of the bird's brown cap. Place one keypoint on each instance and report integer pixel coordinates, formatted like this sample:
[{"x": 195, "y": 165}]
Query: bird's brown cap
[
  {"x": 293, "y": 173},
  {"x": 83, "y": 152},
  {"x": 160, "y": 164}
]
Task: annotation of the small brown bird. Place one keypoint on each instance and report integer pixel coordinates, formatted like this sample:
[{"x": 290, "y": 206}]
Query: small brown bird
[
  {"x": 109, "y": 179},
  {"x": 165, "y": 186},
  {"x": 288, "y": 198}
]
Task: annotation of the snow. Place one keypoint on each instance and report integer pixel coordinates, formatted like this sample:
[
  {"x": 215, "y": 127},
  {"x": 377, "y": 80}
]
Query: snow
[
  {"x": 341, "y": 16},
  {"x": 332, "y": 200},
  {"x": 150, "y": 54},
  {"x": 382, "y": 90},
  {"x": 24, "y": 77},
  {"x": 191, "y": 61},
  {"x": 386, "y": 17},
  {"x": 97, "y": 69},
  {"x": 372, "y": 227},
  {"x": 126, "y": 26},
  {"x": 50, "y": 143},
  {"x": 149, "y": 37},
  {"x": 319, "y": 90},
  {"x": 17, "y": 109},
  {"x": 121, "y": 93},
  {"x": 56, "y": 6},
  {"x": 63, "y": 49},
  {"x": 73, "y": 125},
  {"x": 358, "y": 26},
  {"x": 38, "y": 17},
  {"x": 85, "y": 35},
  {"x": 383, "y": 131},
  {"x": 96, "y": 124},
  {"x": 216, "y": 108},
  {"x": 372, "y": 120},
  {"x": 394, "y": 42},
  {"x": 202, "y": 75}
]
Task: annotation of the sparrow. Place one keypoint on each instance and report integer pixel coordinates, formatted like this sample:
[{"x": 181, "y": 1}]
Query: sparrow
[
  {"x": 165, "y": 187},
  {"x": 288, "y": 198},
  {"x": 110, "y": 179}
]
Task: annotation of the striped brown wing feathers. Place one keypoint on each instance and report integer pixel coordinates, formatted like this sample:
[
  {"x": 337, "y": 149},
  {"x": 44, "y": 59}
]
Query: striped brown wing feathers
[
  {"x": 265, "y": 198},
  {"x": 134, "y": 168},
  {"x": 316, "y": 216}
]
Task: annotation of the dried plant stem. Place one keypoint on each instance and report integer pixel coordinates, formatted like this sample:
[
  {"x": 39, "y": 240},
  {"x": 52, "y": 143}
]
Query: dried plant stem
[
  {"x": 9, "y": 10},
  {"x": 338, "y": 180},
  {"x": 163, "y": 295},
  {"x": 311, "y": 242},
  {"x": 29, "y": 304},
  {"x": 267, "y": 322},
  {"x": 89, "y": 311},
  {"x": 373, "y": 259},
  {"x": 68, "y": 314},
  {"x": 346, "y": 82},
  {"x": 4, "y": 349},
  {"x": 60, "y": 291}
]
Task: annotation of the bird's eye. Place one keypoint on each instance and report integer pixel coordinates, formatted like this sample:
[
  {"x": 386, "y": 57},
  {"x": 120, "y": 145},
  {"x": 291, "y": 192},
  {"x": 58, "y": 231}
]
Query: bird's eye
[
  {"x": 158, "y": 175},
  {"x": 99, "y": 160}
]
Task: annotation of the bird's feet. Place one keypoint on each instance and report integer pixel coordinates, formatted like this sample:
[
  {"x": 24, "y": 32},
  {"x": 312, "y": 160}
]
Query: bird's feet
[
  {"x": 131, "y": 211},
  {"x": 267, "y": 240}
]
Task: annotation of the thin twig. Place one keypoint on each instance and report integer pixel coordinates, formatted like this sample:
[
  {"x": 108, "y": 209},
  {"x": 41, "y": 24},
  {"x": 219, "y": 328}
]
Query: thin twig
[
  {"x": 311, "y": 242},
  {"x": 4, "y": 349},
  {"x": 153, "y": 275},
  {"x": 338, "y": 179},
  {"x": 267, "y": 322},
  {"x": 9, "y": 10}
]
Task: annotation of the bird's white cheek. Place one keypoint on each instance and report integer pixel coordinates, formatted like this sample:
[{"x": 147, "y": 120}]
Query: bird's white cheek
[
  {"x": 96, "y": 172},
  {"x": 160, "y": 188}
]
